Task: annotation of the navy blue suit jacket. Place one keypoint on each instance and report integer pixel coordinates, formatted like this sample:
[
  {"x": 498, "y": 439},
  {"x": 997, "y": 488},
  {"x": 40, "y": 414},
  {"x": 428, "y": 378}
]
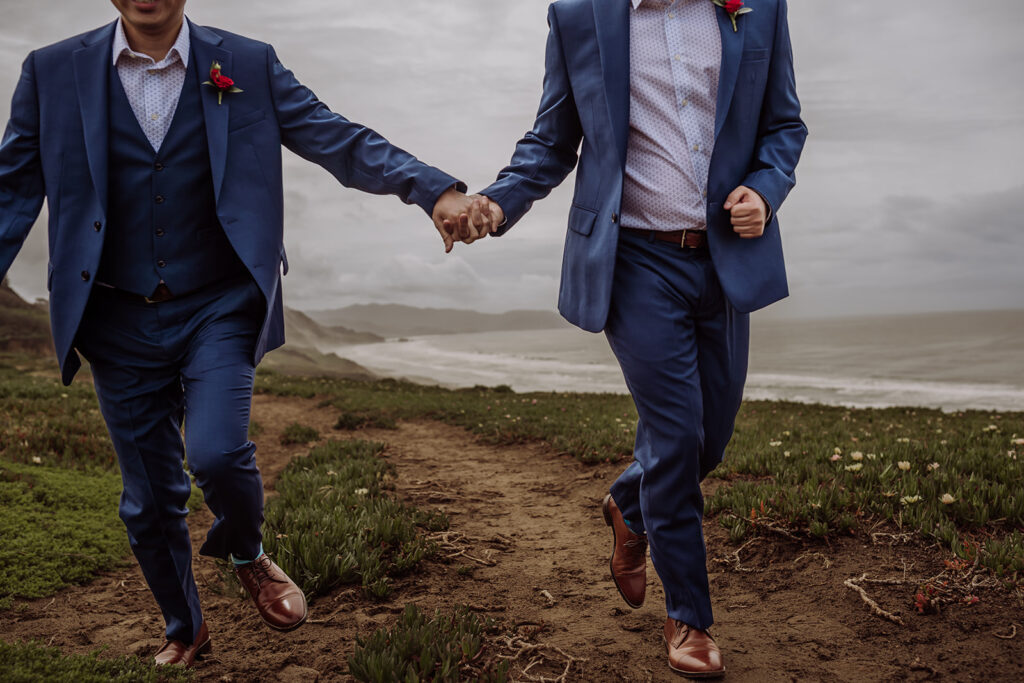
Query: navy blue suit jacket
[
  {"x": 55, "y": 147},
  {"x": 758, "y": 140}
]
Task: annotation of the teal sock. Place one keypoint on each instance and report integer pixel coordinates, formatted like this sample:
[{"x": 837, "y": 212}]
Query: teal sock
[{"x": 239, "y": 562}]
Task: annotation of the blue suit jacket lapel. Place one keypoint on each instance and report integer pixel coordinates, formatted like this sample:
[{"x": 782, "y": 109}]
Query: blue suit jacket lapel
[
  {"x": 92, "y": 69},
  {"x": 206, "y": 50},
  {"x": 732, "y": 54},
  {"x": 611, "y": 18}
]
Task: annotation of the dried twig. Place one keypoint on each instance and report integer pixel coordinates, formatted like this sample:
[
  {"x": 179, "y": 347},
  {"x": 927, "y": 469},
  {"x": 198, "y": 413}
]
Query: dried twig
[
  {"x": 550, "y": 598},
  {"x": 539, "y": 653},
  {"x": 733, "y": 558},
  {"x": 852, "y": 584},
  {"x": 1011, "y": 636}
]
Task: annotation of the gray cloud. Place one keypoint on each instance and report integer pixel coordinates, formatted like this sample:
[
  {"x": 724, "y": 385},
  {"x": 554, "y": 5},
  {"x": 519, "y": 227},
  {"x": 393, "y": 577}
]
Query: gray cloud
[{"x": 917, "y": 132}]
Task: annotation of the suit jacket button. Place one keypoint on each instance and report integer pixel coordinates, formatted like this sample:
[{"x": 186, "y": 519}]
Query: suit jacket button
[
  {"x": 85, "y": 276},
  {"x": 158, "y": 166},
  {"x": 161, "y": 264},
  {"x": 159, "y": 199},
  {"x": 159, "y": 232},
  {"x": 97, "y": 226}
]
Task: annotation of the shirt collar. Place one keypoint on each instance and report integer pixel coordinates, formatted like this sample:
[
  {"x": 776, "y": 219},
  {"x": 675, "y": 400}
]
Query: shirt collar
[{"x": 180, "y": 48}]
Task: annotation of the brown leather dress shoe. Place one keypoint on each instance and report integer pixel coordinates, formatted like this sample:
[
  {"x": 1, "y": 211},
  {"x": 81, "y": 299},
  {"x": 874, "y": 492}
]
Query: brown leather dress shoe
[
  {"x": 629, "y": 556},
  {"x": 281, "y": 603},
  {"x": 692, "y": 652},
  {"x": 177, "y": 652}
]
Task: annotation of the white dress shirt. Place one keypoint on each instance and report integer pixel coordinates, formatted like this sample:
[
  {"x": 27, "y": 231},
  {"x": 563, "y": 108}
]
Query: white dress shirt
[
  {"x": 674, "y": 62},
  {"x": 152, "y": 87}
]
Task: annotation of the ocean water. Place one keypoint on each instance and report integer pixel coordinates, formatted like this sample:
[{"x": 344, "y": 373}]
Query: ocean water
[{"x": 947, "y": 361}]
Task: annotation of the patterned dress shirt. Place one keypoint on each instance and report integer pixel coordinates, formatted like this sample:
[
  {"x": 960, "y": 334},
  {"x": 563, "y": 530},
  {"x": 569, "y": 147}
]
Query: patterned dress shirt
[
  {"x": 674, "y": 62},
  {"x": 153, "y": 87}
]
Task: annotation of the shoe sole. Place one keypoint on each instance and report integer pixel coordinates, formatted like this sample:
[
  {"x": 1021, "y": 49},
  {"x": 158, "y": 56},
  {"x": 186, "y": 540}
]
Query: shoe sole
[
  {"x": 697, "y": 674},
  {"x": 615, "y": 541}
]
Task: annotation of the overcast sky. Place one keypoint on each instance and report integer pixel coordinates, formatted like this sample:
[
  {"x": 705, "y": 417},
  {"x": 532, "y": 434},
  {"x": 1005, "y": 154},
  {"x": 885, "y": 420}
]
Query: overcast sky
[{"x": 909, "y": 195}]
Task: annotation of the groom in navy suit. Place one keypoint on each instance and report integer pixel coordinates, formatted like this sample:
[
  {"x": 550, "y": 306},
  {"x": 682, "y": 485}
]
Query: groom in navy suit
[
  {"x": 690, "y": 129},
  {"x": 157, "y": 146}
]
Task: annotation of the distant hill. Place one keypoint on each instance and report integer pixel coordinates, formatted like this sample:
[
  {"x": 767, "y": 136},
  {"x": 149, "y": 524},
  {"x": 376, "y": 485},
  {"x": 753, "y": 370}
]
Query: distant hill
[
  {"x": 395, "y": 320},
  {"x": 301, "y": 331},
  {"x": 24, "y": 327}
]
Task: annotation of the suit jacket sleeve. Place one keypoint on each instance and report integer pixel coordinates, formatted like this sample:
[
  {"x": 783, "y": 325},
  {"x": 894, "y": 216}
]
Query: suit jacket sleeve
[
  {"x": 547, "y": 154},
  {"x": 781, "y": 132},
  {"x": 21, "y": 176},
  {"x": 357, "y": 156}
]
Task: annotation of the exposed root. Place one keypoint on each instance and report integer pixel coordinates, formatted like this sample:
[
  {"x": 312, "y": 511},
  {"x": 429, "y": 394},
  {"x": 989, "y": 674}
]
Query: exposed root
[
  {"x": 853, "y": 584},
  {"x": 1012, "y": 634},
  {"x": 901, "y": 539},
  {"x": 536, "y": 654},
  {"x": 768, "y": 525},
  {"x": 455, "y": 544},
  {"x": 827, "y": 563},
  {"x": 734, "y": 557}
]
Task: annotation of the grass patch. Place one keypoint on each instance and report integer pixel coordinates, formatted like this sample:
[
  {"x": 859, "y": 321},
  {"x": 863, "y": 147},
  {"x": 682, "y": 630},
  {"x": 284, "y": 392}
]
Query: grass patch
[
  {"x": 780, "y": 467},
  {"x": 255, "y": 429},
  {"x": 442, "y": 648},
  {"x": 333, "y": 522},
  {"x": 296, "y": 433},
  {"x": 592, "y": 427},
  {"x": 29, "y": 663},
  {"x": 58, "y": 527},
  {"x": 353, "y": 421},
  {"x": 43, "y": 422}
]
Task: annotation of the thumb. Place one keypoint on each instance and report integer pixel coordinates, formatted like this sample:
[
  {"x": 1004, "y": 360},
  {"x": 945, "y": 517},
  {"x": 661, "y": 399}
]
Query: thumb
[{"x": 735, "y": 197}]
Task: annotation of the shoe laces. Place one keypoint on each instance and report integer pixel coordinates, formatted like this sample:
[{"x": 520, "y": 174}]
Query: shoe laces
[{"x": 261, "y": 570}]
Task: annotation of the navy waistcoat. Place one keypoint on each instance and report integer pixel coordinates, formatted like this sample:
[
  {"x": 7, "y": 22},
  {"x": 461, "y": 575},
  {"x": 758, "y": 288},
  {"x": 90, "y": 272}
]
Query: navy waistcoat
[{"x": 162, "y": 221}]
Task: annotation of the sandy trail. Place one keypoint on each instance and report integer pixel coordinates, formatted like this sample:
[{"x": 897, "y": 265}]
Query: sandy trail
[{"x": 534, "y": 518}]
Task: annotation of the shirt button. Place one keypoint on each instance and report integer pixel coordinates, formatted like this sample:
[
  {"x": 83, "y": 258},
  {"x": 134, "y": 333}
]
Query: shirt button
[
  {"x": 85, "y": 276},
  {"x": 671, "y": 15},
  {"x": 161, "y": 264},
  {"x": 696, "y": 148},
  {"x": 159, "y": 199},
  {"x": 160, "y": 232},
  {"x": 97, "y": 226},
  {"x": 154, "y": 117},
  {"x": 678, "y": 57},
  {"x": 683, "y": 103}
]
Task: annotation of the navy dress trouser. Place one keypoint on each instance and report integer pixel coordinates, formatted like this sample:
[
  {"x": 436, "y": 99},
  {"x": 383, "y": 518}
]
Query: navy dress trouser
[
  {"x": 154, "y": 366},
  {"x": 683, "y": 351}
]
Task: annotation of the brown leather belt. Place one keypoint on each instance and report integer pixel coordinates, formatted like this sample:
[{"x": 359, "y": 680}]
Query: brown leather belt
[
  {"x": 686, "y": 239},
  {"x": 161, "y": 294}
]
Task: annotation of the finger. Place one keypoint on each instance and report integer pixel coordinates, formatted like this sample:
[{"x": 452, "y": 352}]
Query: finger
[
  {"x": 479, "y": 219},
  {"x": 735, "y": 197},
  {"x": 487, "y": 227},
  {"x": 464, "y": 229},
  {"x": 497, "y": 216},
  {"x": 447, "y": 229}
]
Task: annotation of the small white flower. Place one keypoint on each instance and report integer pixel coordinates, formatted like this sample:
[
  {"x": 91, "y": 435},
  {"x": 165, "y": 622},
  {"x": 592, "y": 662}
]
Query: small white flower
[
  {"x": 855, "y": 467},
  {"x": 933, "y": 466},
  {"x": 871, "y": 456},
  {"x": 909, "y": 500},
  {"x": 37, "y": 460},
  {"x": 903, "y": 439},
  {"x": 903, "y": 465},
  {"x": 785, "y": 454},
  {"x": 774, "y": 444},
  {"x": 786, "y": 433},
  {"x": 857, "y": 455},
  {"x": 947, "y": 499},
  {"x": 1018, "y": 442},
  {"x": 361, "y": 492},
  {"x": 838, "y": 451}
]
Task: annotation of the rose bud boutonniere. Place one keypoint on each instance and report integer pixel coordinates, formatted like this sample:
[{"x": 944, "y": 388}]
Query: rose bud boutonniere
[
  {"x": 221, "y": 82},
  {"x": 733, "y": 8}
]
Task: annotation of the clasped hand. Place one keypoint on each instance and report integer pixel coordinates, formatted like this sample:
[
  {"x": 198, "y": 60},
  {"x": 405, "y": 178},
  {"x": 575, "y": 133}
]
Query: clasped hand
[{"x": 465, "y": 218}]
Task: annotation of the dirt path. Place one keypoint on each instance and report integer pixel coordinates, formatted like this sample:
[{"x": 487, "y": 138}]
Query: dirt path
[{"x": 534, "y": 518}]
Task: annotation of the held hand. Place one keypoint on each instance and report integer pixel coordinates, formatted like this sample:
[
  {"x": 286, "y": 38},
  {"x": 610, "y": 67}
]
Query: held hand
[
  {"x": 483, "y": 218},
  {"x": 467, "y": 219},
  {"x": 748, "y": 210}
]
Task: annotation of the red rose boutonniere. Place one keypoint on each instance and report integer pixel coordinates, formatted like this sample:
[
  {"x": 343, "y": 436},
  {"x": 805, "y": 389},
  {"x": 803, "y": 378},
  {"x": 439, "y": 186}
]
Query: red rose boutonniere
[
  {"x": 734, "y": 8},
  {"x": 221, "y": 82}
]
